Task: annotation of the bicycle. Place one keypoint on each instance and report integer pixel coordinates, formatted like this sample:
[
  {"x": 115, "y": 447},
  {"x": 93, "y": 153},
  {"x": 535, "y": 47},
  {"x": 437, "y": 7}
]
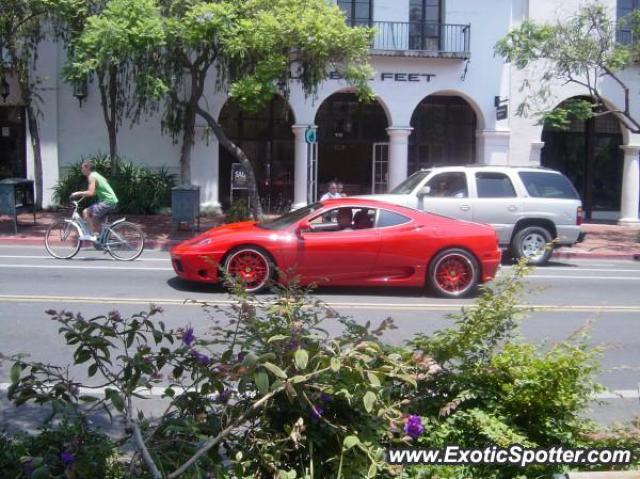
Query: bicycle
[{"x": 123, "y": 240}]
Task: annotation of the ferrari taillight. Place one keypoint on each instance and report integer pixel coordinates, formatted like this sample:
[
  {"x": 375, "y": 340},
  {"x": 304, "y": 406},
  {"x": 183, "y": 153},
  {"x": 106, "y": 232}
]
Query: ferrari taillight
[{"x": 579, "y": 216}]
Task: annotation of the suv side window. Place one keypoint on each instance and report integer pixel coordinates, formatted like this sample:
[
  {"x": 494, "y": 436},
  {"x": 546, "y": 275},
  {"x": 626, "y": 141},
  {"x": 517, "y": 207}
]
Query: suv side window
[
  {"x": 451, "y": 185},
  {"x": 494, "y": 185},
  {"x": 543, "y": 184}
]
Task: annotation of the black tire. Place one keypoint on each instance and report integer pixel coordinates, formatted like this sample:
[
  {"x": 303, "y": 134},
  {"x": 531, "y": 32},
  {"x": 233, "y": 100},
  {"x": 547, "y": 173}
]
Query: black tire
[
  {"x": 251, "y": 265},
  {"x": 453, "y": 273},
  {"x": 62, "y": 240},
  {"x": 125, "y": 241},
  {"x": 532, "y": 243}
]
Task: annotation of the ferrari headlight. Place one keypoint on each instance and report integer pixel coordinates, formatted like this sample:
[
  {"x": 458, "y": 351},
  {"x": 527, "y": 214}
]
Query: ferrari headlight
[{"x": 203, "y": 242}]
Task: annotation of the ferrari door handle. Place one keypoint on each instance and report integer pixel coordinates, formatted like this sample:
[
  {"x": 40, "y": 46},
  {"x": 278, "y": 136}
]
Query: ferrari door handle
[
  {"x": 512, "y": 208},
  {"x": 465, "y": 207}
]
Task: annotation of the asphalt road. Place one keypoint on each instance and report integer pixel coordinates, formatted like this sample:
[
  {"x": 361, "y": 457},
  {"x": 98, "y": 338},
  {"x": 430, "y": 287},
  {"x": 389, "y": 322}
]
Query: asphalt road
[{"x": 564, "y": 296}]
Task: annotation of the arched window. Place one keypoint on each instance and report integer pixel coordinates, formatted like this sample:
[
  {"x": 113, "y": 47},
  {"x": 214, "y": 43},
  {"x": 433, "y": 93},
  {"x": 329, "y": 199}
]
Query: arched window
[{"x": 359, "y": 12}]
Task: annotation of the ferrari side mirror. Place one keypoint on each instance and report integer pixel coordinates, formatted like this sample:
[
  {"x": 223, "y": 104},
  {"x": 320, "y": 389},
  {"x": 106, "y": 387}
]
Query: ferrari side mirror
[{"x": 303, "y": 227}]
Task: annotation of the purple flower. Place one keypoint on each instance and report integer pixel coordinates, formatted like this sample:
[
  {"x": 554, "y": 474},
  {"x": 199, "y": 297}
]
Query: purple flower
[
  {"x": 188, "y": 338},
  {"x": 67, "y": 458},
  {"x": 241, "y": 356},
  {"x": 28, "y": 468},
  {"x": 115, "y": 316},
  {"x": 292, "y": 345},
  {"x": 201, "y": 358},
  {"x": 316, "y": 413},
  {"x": 224, "y": 396},
  {"x": 324, "y": 397},
  {"x": 413, "y": 426}
]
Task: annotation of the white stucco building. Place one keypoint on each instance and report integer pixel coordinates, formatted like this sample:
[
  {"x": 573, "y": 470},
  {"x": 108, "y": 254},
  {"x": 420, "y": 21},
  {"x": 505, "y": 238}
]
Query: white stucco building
[{"x": 442, "y": 97}]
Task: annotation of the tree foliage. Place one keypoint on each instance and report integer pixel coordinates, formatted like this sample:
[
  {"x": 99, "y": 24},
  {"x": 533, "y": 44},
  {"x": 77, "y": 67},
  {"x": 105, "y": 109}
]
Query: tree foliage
[
  {"x": 182, "y": 52},
  {"x": 580, "y": 50}
]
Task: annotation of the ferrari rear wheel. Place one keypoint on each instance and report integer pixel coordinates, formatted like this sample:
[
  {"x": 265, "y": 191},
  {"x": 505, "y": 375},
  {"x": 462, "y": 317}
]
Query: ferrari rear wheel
[
  {"x": 453, "y": 273},
  {"x": 251, "y": 266}
]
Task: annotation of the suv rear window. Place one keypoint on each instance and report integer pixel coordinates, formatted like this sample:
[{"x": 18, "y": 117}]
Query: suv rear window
[
  {"x": 542, "y": 184},
  {"x": 494, "y": 185}
]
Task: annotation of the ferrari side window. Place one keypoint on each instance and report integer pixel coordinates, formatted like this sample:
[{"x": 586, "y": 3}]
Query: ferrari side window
[{"x": 391, "y": 218}]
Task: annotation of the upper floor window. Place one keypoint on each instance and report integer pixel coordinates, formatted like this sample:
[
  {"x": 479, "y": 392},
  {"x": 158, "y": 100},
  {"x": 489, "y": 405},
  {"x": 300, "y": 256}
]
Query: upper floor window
[
  {"x": 359, "y": 12},
  {"x": 424, "y": 11},
  {"x": 625, "y": 7}
]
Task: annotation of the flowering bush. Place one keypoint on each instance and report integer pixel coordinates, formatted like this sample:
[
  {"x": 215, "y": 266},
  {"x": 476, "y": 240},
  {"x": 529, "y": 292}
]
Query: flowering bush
[{"x": 267, "y": 393}]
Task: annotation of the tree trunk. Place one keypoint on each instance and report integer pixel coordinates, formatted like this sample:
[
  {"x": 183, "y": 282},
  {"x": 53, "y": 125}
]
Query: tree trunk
[
  {"x": 256, "y": 207},
  {"x": 108, "y": 99},
  {"x": 188, "y": 139},
  {"x": 37, "y": 154}
]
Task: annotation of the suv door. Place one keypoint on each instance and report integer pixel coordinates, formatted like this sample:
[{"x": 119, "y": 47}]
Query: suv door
[
  {"x": 448, "y": 195},
  {"x": 496, "y": 202}
]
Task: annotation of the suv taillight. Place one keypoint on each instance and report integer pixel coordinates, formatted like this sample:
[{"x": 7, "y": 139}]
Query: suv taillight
[{"x": 579, "y": 216}]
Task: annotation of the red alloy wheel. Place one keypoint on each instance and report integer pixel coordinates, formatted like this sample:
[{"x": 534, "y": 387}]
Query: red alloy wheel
[
  {"x": 251, "y": 266},
  {"x": 454, "y": 273}
]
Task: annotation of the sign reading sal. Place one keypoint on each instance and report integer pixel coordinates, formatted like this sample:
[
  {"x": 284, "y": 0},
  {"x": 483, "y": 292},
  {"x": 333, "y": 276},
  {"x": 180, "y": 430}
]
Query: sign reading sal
[{"x": 391, "y": 76}]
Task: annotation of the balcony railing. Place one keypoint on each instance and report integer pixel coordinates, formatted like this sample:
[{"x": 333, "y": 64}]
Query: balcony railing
[{"x": 422, "y": 39}]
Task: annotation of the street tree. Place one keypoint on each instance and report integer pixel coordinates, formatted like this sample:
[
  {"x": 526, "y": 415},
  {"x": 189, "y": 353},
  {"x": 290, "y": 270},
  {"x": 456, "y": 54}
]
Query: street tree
[
  {"x": 580, "y": 50},
  {"x": 252, "y": 50},
  {"x": 24, "y": 24}
]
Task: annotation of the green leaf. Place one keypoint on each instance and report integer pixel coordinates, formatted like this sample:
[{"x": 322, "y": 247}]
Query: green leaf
[
  {"x": 15, "y": 373},
  {"x": 88, "y": 398},
  {"x": 275, "y": 370},
  {"x": 115, "y": 398},
  {"x": 335, "y": 364},
  {"x": 301, "y": 359},
  {"x": 277, "y": 337},
  {"x": 262, "y": 382},
  {"x": 41, "y": 473},
  {"x": 250, "y": 359},
  {"x": 373, "y": 470},
  {"x": 369, "y": 400},
  {"x": 374, "y": 379},
  {"x": 93, "y": 369},
  {"x": 350, "y": 441}
]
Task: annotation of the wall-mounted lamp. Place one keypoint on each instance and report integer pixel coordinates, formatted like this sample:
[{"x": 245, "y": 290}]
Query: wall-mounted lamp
[
  {"x": 4, "y": 89},
  {"x": 80, "y": 90}
]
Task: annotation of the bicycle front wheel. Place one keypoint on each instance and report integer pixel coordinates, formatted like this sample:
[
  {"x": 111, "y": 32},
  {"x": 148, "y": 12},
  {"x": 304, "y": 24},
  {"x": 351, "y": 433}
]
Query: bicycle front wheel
[
  {"x": 125, "y": 241},
  {"x": 62, "y": 240}
]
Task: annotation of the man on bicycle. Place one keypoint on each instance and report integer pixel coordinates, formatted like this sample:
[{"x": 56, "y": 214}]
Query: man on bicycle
[{"x": 107, "y": 199}]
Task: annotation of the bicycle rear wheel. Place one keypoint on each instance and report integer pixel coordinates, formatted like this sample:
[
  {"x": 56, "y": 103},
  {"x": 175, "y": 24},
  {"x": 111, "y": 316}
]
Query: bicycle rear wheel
[
  {"x": 62, "y": 240},
  {"x": 125, "y": 241}
]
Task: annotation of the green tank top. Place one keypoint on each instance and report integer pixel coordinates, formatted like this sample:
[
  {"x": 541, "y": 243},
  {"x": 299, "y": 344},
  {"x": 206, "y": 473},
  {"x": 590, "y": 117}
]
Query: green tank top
[{"x": 104, "y": 192}]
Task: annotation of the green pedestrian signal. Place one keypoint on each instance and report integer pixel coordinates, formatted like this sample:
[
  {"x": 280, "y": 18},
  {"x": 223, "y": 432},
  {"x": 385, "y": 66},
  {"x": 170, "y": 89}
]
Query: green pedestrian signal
[{"x": 310, "y": 135}]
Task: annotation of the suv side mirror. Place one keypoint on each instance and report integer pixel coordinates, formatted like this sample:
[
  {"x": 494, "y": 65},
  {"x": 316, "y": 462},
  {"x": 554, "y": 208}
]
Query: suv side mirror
[
  {"x": 303, "y": 226},
  {"x": 424, "y": 191}
]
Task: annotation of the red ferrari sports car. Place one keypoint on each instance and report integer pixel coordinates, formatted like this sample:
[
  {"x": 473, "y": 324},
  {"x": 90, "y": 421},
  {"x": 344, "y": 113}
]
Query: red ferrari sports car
[{"x": 346, "y": 241}]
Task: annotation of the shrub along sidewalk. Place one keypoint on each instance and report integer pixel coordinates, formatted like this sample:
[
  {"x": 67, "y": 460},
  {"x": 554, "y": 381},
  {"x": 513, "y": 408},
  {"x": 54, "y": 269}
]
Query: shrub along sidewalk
[{"x": 266, "y": 393}]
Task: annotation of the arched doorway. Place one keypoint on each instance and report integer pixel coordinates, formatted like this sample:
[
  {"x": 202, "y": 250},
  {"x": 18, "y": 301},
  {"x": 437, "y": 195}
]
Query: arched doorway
[
  {"x": 347, "y": 132},
  {"x": 444, "y": 133},
  {"x": 266, "y": 138},
  {"x": 588, "y": 153}
]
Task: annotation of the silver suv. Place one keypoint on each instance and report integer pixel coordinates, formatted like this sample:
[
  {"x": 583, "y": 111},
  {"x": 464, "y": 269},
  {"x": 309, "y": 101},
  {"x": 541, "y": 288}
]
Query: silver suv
[{"x": 527, "y": 206}]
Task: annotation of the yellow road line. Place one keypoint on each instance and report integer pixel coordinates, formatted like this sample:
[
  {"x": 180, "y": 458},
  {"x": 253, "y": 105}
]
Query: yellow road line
[{"x": 336, "y": 305}]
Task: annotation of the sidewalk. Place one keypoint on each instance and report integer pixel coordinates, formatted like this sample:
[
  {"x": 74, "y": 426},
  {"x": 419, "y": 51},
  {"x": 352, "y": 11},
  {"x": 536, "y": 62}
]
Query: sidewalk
[{"x": 602, "y": 240}]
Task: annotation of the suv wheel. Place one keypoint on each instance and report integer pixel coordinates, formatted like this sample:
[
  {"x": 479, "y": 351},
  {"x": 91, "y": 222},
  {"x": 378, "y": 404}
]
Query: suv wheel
[{"x": 531, "y": 243}]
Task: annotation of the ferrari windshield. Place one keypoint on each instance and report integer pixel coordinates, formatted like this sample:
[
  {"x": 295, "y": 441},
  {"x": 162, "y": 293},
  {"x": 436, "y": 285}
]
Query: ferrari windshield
[
  {"x": 408, "y": 185},
  {"x": 290, "y": 218}
]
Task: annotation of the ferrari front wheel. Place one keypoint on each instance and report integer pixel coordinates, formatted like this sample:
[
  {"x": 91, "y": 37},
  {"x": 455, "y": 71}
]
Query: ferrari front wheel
[
  {"x": 453, "y": 273},
  {"x": 251, "y": 266}
]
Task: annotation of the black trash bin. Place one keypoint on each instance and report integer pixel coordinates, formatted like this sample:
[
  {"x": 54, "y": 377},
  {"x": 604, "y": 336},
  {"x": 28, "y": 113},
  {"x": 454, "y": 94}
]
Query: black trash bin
[
  {"x": 16, "y": 196},
  {"x": 185, "y": 206}
]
